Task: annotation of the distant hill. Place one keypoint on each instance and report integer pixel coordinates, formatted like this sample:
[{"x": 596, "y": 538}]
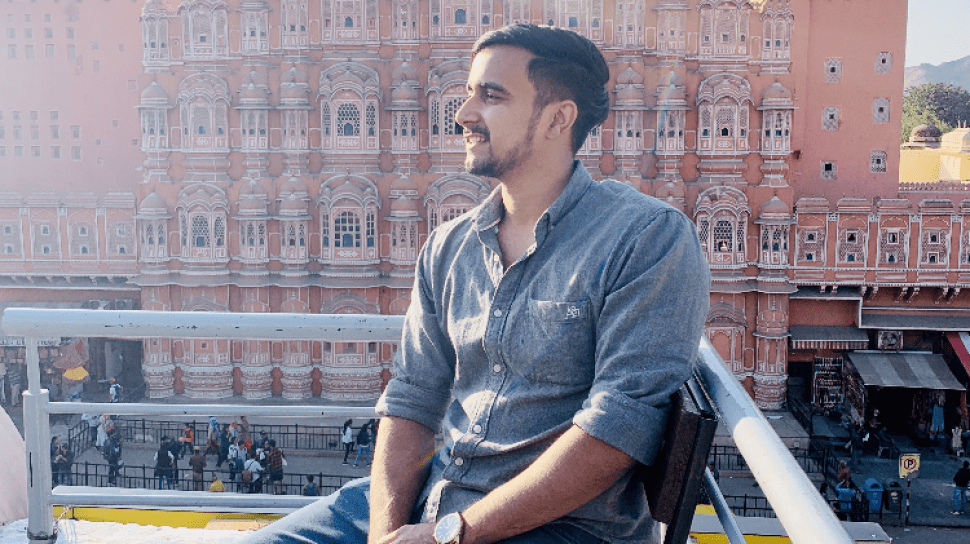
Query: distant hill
[{"x": 956, "y": 72}]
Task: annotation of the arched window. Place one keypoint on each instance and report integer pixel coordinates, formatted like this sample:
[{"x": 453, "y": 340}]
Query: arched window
[
  {"x": 200, "y": 231},
  {"x": 346, "y": 229},
  {"x": 348, "y": 119},
  {"x": 348, "y": 22},
  {"x": 460, "y": 17},
  {"x": 573, "y": 22}
]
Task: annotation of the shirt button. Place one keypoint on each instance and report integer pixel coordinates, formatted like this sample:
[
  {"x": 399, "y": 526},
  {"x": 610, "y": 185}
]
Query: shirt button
[
  {"x": 497, "y": 313},
  {"x": 477, "y": 429},
  {"x": 497, "y": 368},
  {"x": 496, "y": 258},
  {"x": 459, "y": 461}
]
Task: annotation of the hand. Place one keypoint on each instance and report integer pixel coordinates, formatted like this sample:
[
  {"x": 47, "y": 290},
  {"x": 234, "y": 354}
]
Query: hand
[{"x": 411, "y": 534}]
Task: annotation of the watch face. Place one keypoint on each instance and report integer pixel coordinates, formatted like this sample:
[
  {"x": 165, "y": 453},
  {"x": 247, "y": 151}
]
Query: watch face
[{"x": 448, "y": 528}]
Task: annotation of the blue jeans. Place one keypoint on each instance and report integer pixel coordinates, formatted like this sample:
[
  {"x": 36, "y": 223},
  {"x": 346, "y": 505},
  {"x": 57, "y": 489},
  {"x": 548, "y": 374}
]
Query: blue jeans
[
  {"x": 959, "y": 495},
  {"x": 342, "y": 518},
  {"x": 362, "y": 450}
]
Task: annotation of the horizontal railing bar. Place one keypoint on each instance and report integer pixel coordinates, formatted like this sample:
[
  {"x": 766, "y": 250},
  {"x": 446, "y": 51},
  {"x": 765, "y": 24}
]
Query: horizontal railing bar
[
  {"x": 230, "y": 410},
  {"x": 127, "y": 498},
  {"x": 802, "y": 511},
  {"x": 36, "y": 322}
]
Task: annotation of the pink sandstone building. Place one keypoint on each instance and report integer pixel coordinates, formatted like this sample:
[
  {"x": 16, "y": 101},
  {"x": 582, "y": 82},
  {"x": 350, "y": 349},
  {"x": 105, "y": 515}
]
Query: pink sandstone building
[{"x": 293, "y": 155}]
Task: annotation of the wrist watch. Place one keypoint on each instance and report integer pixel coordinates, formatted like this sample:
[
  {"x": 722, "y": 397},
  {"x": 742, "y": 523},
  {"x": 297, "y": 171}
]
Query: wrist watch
[{"x": 449, "y": 529}]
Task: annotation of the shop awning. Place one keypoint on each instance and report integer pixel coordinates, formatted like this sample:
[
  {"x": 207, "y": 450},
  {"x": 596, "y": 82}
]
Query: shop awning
[
  {"x": 820, "y": 337},
  {"x": 960, "y": 342},
  {"x": 916, "y": 322},
  {"x": 907, "y": 369}
]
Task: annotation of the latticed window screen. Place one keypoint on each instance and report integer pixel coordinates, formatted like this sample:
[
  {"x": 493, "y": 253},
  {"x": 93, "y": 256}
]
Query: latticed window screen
[
  {"x": 705, "y": 121},
  {"x": 201, "y": 120},
  {"x": 121, "y": 238},
  {"x": 852, "y": 246},
  {"x": 934, "y": 247},
  {"x": 325, "y": 229},
  {"x": 200, "y": 231},
  {"x": 262, "y": 234},
  {"x": 220, "y": 231},
  {"x": 291, "y": 236},
  {"x": 884, "y": 63},
  {"x": 184, "y": 231},
  {"x": 830, "y": 118},
  {"x": 829, "y": 170},
  {"x": 83, "y": 240},
  {"x": 740, "y": 235},
  {"x": 452, "y": 212},
  {"x": 833, "y": 70},
  {"x": 348, "y": 120},
  {"x": 434, "y": 117},
  {"x": 723, "y": 234},
  {"x": 703, "y": 228},
  {"x": 880, "y": 110},
  {"x": 892, "y": 247},
  {"x": 877, "y": 161},
  {"x": 302, "y": 238},
  {"x": 326, "y": 119},
  {"x": 371, "y": 226},
  {"x": 451, "y": 108},
  {"x": 346, "y": 230},
  {"x": 371, "y": 114},
  {"x": 811, "y": 246},
  {"x": 725, "y": 121}
]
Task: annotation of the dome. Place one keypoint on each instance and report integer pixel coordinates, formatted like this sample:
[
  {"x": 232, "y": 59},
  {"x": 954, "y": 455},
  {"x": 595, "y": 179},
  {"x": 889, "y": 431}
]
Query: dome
[
  {"x": 404, "y": 93},
  {"x": 293, "y": 186},
  {"x": 404, "y": 184},
  {"x": 153, "y": 204},
  {"x": 629, "y": 87},
  {"x": 292, "y": 205},
  {"x": 775, "y": 209},
  {"x": 154, "y": 95},
  {"x": 251, "y": 94},
  {"x": 925, "y": 133},
  {"x": 252, "y": 206},
  {"x": 670, "y": 190},
  {"x": 629, "y": 77},
  {"x": 404, "y": 72},
  {"x": 294, "y": 75},
  {"x": 671, "y": 78},
  {"x": 776, "y": 91},
  {"x": 405, "y": 206}
]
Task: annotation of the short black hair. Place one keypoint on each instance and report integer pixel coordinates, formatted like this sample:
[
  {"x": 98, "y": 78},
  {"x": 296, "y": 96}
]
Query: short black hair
[{"x": 567, "y": 66}]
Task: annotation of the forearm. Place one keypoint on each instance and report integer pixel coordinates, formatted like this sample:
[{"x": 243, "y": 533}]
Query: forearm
[
  {"x": 402, "y": 453},
  {"x": 573, "y": 471}
]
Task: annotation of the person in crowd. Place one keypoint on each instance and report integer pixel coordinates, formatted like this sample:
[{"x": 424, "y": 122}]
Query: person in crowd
[
  {"x": 856, "y": 445},
  {"x": 92, "y": 421},
  {"x": 114, "y": 390},
  {"x": 347, "y": 437},
  {"x": 311, "y": 489},
  {"x": 112, "y": 454},
  {"x": 173, "y": 446},
  {"x": 223, "y": 445},
  {"x": 275, "y": 461},
  {"x": 532, "y": 338},
  {"x": 57, "y": 458},
  {"x": 960, "y": 481},
  {"x": 844, "y": 474},
  {"x": 245, "y": 439},
  {"x": 213, "y": 428},
  {"x": 263, "y": 442},
  {"x": 234, "y": 461},
  {"x": 216, "y": 486},
  {"x": 164, "y": 461},
  {"x": 105, "y": 424},
  {"x": 187, "y": 440},
  {"x": 233, "y": 430},
  {"x": 364, "y": 437},
  {"x": 197, "y": 463},
  {"x": 254, "y": 476}
]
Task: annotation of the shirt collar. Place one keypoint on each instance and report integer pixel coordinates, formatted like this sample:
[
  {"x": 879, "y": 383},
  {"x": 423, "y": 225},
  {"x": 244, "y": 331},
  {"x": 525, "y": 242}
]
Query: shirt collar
[{"x": 492, "y": 210}]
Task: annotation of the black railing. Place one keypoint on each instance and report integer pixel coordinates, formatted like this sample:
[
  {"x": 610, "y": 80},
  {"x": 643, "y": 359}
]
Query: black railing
[
  {"x": 802, "y": 410},
  {"x": 144, "y": 477},
  {"x": 730, "y": 458},
  {"x": 288, "y": 437}
]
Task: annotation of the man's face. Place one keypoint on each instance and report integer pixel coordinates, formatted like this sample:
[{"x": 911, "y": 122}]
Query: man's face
[{"x": 498, "y": 117}]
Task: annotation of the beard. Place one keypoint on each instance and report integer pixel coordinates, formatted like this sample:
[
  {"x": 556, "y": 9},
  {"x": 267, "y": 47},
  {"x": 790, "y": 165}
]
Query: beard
[{"x": 492, "y": 166}]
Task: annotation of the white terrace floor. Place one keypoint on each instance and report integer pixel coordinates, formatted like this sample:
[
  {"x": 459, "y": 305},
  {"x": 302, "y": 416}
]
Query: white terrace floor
[{"x": 90, "y": 532}]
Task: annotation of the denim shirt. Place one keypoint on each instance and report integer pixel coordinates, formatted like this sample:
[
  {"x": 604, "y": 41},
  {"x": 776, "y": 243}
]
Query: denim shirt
[{"x": 596, "y": 325}]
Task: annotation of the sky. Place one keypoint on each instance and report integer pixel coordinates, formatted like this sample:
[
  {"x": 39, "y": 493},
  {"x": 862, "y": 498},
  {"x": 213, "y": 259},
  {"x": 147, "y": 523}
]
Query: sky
[{"x": 939, "y": 31}]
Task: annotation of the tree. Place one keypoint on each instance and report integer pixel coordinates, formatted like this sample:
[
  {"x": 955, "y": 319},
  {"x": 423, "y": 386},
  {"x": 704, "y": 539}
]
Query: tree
[{"x": 941, "y": 104}]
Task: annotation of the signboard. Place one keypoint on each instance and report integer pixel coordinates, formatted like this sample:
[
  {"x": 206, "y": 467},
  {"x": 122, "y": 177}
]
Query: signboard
[
  {"x": 827, "y": 382},
  {"x": 909, "y": 465}
]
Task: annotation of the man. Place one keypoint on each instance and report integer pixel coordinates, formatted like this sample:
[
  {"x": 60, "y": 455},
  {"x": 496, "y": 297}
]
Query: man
[
  {"x": 252, "y": 471},
  {"x": 112, "y": 454},
  {"x": 547, "y": 329},
  {"x": 274, "y": 467},
  {"x": 961, "y": 479},
  {"x": 114, "y": 390},
  {"x": 197, "y": 462},
  {"x": 164, "y": 460}
]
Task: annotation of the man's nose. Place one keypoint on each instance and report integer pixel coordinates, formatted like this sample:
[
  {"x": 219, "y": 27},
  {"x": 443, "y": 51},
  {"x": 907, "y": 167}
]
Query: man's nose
[{"x": 466, "y": 114}]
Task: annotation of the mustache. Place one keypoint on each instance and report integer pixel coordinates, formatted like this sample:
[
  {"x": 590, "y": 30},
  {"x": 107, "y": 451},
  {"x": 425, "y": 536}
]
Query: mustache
[{"x": 476, "y": 129}]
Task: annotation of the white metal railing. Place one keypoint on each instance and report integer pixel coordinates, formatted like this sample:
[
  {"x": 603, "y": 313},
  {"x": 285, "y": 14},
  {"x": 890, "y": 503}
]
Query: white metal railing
[{"x": 804, "y": 514}]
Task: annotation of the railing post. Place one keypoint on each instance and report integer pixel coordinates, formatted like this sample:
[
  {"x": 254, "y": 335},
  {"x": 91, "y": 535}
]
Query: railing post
[{"x": 40, "y": 521}]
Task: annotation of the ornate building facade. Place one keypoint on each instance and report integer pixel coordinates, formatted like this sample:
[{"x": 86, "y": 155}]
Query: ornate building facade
[{"x": 293, "y": 156}]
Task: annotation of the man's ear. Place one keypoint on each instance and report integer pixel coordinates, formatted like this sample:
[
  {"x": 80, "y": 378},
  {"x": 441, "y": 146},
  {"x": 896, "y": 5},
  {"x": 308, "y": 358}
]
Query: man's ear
[{"x": 563, "y": 118}]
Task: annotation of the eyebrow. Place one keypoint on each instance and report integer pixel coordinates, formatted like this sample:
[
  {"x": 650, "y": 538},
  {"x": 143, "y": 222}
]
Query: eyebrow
[{"x": 487, "y": 86}]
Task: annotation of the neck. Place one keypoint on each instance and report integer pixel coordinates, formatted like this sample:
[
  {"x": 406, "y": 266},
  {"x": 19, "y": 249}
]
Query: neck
[{"x": 528, "y": 193}]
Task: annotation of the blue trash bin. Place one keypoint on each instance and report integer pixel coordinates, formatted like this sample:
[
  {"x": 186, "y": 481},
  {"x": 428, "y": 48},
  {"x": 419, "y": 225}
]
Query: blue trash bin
[{"x": 874, "y": 491}]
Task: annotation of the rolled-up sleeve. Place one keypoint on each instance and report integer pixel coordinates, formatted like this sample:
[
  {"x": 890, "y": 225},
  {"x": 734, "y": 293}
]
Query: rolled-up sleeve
[
  {"x": 647, "y": 334},
  {"x": 424, "y": 365}
]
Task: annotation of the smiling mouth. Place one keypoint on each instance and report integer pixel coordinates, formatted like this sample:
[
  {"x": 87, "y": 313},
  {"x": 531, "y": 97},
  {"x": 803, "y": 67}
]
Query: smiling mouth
[{"x": 472, "y": 138}]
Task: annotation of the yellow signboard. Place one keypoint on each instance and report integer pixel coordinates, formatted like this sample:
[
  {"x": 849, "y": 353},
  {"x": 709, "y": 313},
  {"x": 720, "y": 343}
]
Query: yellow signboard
[{"x": 909, "y": 465}]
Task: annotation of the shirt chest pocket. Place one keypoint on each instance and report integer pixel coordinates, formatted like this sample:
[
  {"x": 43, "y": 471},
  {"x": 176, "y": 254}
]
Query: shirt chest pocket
[{"x": 561, "y": 344}]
